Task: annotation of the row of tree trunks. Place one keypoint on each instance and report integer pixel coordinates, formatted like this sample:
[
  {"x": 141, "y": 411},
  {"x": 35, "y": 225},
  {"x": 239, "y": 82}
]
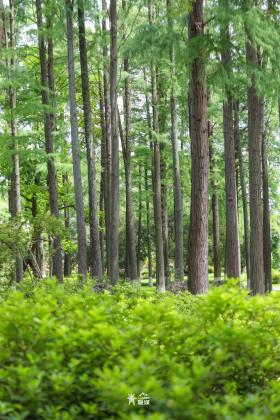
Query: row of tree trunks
[
  {"x": 95, "y": 252},
  {"x": 15, "y": 178},
  {"x": 232, "y": 260},
  {"x": 130, "y": 224},
  {"x": 75, "y": 144},
  {"x": 160, "y": 273},
  {"x": 47, "y": 83}
]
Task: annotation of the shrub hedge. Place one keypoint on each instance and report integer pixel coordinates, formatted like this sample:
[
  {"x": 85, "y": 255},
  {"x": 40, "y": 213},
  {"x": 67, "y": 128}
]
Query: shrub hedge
[{"x": 67, "y": 352}]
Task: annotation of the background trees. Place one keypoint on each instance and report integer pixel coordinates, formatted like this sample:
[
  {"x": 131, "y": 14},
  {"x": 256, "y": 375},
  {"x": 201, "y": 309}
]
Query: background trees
[{"x": 140, "y": 79}]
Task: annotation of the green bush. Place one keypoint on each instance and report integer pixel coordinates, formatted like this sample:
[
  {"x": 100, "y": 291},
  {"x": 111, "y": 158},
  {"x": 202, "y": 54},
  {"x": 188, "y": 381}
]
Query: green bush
[
  {"x": 275, "y": 276},
  {"x": 69, "y": 353}
]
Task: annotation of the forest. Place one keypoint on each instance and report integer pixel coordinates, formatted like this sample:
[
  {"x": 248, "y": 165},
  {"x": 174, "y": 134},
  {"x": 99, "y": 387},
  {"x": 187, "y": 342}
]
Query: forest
[{"x": 139, "y": 209}]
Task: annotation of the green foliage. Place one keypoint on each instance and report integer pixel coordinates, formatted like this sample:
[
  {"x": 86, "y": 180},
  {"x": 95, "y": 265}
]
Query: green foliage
[
  {"x": 275, "y": 276},
  {"x": 69, "y": 353}
]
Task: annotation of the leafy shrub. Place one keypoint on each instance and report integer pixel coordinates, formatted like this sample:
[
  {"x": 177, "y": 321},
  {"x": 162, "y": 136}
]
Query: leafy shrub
[
  {"x": 275, "y": 276},
  {"x": 67, "y": 352}
]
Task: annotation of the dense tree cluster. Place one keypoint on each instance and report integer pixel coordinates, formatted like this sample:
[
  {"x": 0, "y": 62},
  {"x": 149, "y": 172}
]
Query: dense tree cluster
[{"x": 140, "y": 139}]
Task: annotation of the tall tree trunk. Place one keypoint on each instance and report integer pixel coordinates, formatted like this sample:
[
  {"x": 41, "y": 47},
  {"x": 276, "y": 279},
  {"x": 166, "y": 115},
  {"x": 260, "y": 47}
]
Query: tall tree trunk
[
  {"x": 198, "y": 234},
  {"x": 149, "y": 249},
  {"x": 232, "y": 263},
  {"x": 266, "y": 218},
  {"x": 114, "y": 188},
  {"x": 178, "y": 199},
  {"x": 255, "y": 179},
  {"x": 107, "y": 125},
  {"x": 79, "y": 199},
  {"x": 215, "y": 215},
  {"x": 16, "y": 201},
  {"x": 243, "y": 190},
  {"x": 160, "y": 275},
  {"x": 47, "y": 81},
  {"x": 103, "y": 181},
  {"x": 95, "y": 257}
]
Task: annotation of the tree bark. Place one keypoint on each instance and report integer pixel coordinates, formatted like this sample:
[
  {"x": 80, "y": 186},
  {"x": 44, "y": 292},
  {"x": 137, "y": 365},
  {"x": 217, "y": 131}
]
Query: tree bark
[
  {"x": 79, "y": 199},
  {"x": 95, "y": 252},
  {"x": 198, "y": 234},
  {"x": 178, "y": 199},
  {"x": 255, "y": 180},
  {"x": 243, "y": 190},
  {"x": 160, "y": 275},
  {"x": 114, "y": 188},
  {"x": 15, "y": 184},
  {"x": 232, "y": 263}
]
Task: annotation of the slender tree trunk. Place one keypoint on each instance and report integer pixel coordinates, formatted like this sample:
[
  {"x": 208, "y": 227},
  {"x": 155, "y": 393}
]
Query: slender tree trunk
[
  {"x": 67, "y": 254},
  {"x": 149, "y": 244},
  {"x": 95, "y": 257},
  {"x": 255, "y": 178},
  {"x": 114, "y": 189},
  {"x": 243, "y": 190},
  {"x": 52, "y": 179},
  {"x": 16, "y": 201},
  {"x": 178, "y": 199},
  {"x": 266, "y": 218},
  {"x": 232, "y": 236},
  {"x": 163, "y": 178},
  {"x": 139, "y": 235},
  {"x": 108, "y": 138},
  {"x": 216, "y": 219},
  {"x": 79, "y": 199},
  {"x": 164, "y": 213},
  {"x": 160, "y": 275},
  {"x": 47, "y": 81},
  {"x": 149, "y": 249},
  {"x": 198, "y": 234},
  {"x": 103, "y": 172}
]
